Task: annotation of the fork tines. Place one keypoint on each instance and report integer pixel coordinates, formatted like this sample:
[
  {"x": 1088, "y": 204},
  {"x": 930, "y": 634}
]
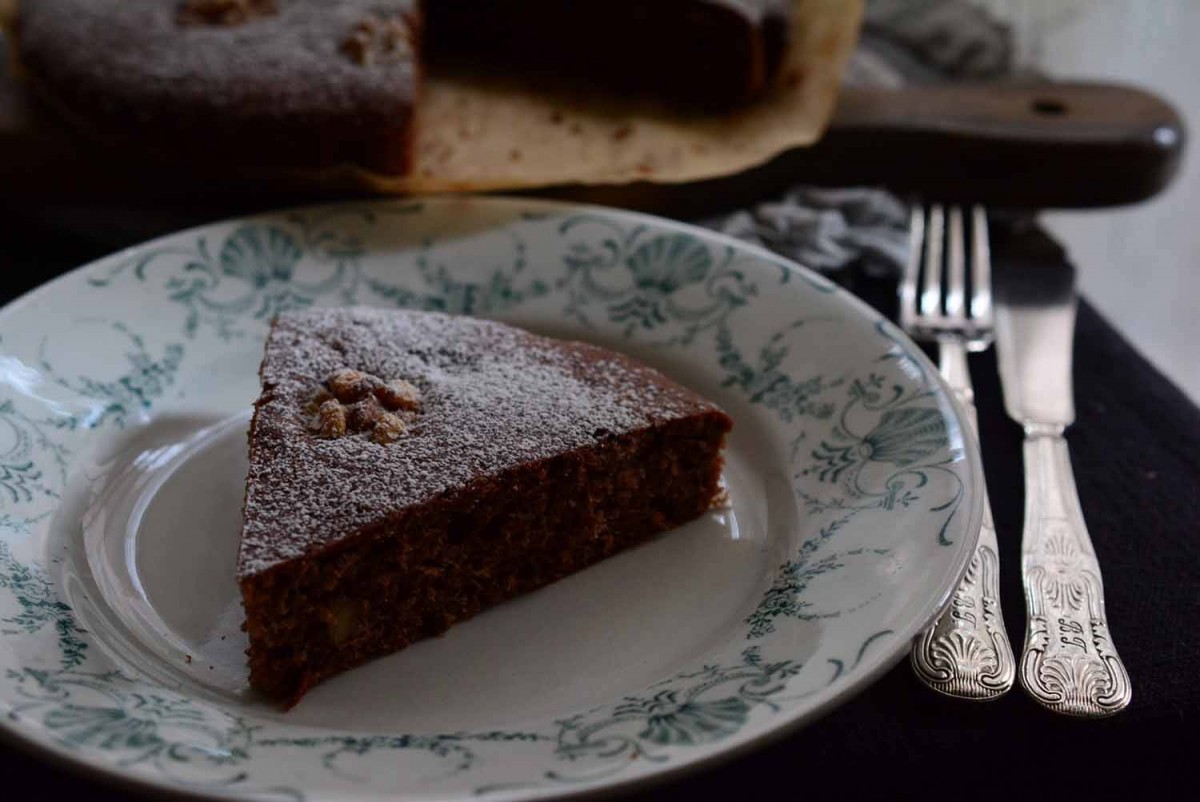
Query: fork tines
[{"x": 946, "y": 287}]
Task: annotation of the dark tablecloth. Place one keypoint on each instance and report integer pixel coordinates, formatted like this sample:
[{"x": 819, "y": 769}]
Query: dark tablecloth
[{"x": 1136, "y": 453}]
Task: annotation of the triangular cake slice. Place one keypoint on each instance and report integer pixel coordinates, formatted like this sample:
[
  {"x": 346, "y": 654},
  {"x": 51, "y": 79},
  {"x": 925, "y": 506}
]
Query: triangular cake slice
[{"x": 409, "y": 470}]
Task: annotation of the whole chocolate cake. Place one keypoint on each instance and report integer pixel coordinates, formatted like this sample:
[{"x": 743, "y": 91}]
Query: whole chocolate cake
[
  {"x": 313, "y": 84},
  {"x": 409, "y": 470}
]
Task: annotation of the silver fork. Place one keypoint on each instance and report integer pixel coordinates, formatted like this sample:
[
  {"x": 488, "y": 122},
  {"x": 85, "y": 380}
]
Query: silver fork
[{"x": 966, "y": 653}]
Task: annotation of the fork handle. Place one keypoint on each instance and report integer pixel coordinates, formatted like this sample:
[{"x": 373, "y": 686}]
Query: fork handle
[
  {"x": 1069, "y": 663},
  {"x": 966, "y": 653}
]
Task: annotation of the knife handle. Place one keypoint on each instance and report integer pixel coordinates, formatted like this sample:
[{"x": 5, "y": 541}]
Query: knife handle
[{"x": 1069, "y": 663}]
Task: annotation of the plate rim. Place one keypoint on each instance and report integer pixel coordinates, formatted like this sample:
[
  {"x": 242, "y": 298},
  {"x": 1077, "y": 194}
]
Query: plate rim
[{"x": 13, "y": 733}]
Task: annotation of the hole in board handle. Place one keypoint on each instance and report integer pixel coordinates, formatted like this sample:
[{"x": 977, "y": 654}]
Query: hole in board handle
[{"x": 1048, "y": 106}]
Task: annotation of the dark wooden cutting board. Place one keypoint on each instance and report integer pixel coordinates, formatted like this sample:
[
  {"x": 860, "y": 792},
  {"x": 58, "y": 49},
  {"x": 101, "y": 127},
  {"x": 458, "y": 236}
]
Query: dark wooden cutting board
[{"x": 1059, "y": 145}]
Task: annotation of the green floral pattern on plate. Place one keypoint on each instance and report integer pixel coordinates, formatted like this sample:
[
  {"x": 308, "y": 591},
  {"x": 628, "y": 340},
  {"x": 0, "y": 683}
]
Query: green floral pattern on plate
[{"x": 867, "y": 442}]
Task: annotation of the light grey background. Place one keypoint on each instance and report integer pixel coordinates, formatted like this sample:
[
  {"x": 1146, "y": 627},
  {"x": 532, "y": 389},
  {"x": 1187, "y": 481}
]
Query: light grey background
[{"x": 1139, "y": 265}]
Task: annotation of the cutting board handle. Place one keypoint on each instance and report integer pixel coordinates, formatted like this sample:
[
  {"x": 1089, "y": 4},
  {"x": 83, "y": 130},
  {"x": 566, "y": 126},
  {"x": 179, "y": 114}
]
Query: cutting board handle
[
  {"x": 1006, "y": 145},
  {"x": 1021, "y": 144}
]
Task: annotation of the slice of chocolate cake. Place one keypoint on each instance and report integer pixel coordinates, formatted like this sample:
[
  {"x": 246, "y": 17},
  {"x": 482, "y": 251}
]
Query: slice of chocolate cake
[{"x": 409, "y": 470}]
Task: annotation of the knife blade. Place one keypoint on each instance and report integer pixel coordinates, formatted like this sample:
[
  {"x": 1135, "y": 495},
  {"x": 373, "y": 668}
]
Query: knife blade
[
  {"x": 1038, "y": 304},
  {"x": 1069, "y": 662}
]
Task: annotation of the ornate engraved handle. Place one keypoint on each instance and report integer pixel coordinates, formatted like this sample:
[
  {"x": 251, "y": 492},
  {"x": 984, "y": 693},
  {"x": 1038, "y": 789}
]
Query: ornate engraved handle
[
  {"x": 1069, "y": 663},
  {"x": 966, "y": 653}
]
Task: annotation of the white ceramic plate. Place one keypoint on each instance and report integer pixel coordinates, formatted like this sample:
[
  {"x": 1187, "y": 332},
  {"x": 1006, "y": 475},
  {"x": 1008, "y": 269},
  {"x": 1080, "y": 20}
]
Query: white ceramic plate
[{"x": 124, "y": 396}]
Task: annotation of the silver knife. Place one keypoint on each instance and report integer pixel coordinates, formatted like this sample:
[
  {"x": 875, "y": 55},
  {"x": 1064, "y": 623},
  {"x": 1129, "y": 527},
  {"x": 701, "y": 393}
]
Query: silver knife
[{"x": 1069, "y": 662}]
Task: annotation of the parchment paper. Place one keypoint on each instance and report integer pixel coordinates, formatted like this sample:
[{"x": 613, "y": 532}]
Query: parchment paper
[
  {"x": 479, "y": 137},
  {"x": 479, "y": 134}
]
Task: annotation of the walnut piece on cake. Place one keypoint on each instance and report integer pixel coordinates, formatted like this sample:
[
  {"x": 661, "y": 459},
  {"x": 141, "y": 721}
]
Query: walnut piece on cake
[
  {"x": 379, "y": 40},
  {"x": 352, "y": 402}
]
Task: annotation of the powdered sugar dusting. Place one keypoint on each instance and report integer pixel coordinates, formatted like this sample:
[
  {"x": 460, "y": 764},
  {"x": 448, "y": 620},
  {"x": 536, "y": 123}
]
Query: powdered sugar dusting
[
  {"x": 135, "y": 52},
  {"x": 492, "y": 397}
]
